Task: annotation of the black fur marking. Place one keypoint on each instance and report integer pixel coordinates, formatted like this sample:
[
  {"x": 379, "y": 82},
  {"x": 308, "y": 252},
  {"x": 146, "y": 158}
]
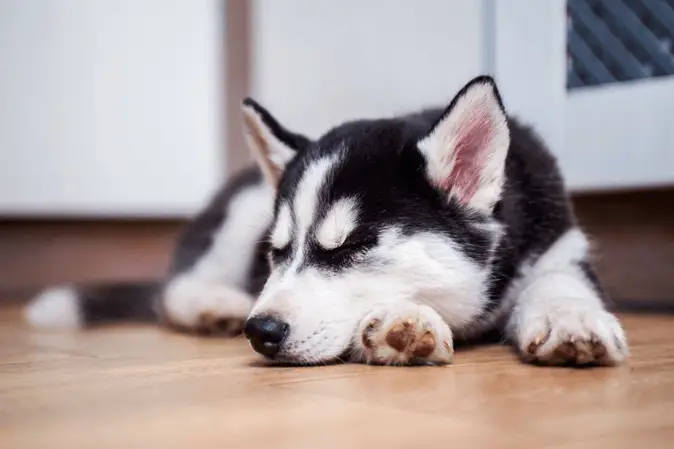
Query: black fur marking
[
  {"x": 590, "y": 275},
  {"x": 260, "y": 269},
  {"x": 106, "y": 303},
  {"x": 347, "y": 255},
  {"x": 588, "y": 270}
]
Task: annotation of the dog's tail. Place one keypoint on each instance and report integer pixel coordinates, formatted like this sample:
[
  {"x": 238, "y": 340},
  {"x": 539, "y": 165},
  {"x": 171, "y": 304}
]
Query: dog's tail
[{"x": 76, "y": 306}]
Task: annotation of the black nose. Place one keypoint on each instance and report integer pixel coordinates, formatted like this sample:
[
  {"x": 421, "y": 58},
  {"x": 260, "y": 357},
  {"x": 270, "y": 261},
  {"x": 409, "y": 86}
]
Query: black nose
[{"x": 265, "y": 334}]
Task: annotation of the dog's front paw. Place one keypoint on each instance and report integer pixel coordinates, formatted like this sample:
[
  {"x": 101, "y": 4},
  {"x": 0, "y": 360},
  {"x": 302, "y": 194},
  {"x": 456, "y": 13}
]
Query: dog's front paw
[
  {"x": 572, "y": 335},
  {"x": 404, "y": 334}
]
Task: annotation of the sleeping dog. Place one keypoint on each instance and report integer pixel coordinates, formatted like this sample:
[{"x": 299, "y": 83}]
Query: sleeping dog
[{"x": 382, "y": 242}]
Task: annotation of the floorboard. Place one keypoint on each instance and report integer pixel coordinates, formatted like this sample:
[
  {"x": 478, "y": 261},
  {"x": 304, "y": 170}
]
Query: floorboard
[{"x": 143, "y": 387}]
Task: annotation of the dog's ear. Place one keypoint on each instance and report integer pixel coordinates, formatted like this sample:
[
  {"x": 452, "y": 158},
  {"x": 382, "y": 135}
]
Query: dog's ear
[
  {"x": 466, "y": 149},
  {"x": 272, "y": 145}
]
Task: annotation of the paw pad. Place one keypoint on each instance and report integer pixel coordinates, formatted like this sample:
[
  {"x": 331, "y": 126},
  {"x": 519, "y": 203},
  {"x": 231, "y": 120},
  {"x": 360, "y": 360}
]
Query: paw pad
[
  {"x": 401, "y": 336},
  {"x": 409, "y": 339}
]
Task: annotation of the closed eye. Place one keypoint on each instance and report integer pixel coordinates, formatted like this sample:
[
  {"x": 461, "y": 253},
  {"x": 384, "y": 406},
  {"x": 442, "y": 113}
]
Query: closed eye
[
  {"x": 349, "y": 247},
  {"x": 280, "y": 253}
]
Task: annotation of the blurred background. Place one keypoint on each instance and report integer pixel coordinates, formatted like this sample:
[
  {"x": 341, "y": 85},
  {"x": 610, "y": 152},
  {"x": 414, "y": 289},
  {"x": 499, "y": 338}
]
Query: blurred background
[{"x": 119, "y": 118}]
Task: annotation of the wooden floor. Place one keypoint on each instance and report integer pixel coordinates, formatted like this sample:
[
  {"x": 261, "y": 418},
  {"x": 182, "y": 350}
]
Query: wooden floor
[{"x": 142, "y": 387}]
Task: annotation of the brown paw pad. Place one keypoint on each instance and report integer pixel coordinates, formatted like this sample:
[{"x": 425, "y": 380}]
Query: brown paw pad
[
  {"x": 425, "y": 346},
  {"x": 579, "y": 352},
  {"x": 598, "y": 349},
  {"x": 566, "y": 351},
  {"x": 401, "y": 336}
]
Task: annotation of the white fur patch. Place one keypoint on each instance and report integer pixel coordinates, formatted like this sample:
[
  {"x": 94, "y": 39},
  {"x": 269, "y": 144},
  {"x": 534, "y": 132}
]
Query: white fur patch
[
  {"x": 556, "y": 276},
  {"x": 564, "y": 254},
  {"x": 338, "y": 223},
  {"x": 228, "y": 259},
  {"x": 283, "y": 228},
  {"x": 305, "y": 204},
  {"x": 430, "y": 269},
  {"x": 55, "y": 307},
  {"x": 447, "y": 156}
]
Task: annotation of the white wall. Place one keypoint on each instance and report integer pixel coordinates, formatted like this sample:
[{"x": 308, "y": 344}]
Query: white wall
[
  {"x": 109, "y": 107},
  {"x": 528, "y": 61},
  {"x": 317, "y": 63}
]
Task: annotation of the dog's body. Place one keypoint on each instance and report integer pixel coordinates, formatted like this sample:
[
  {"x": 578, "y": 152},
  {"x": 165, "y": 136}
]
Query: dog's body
[{"x": 382, "y": 242}]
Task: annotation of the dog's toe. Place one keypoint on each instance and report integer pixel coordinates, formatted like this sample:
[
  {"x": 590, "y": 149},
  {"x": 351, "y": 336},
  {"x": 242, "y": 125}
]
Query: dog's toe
[{"x": 415, "y": 334}]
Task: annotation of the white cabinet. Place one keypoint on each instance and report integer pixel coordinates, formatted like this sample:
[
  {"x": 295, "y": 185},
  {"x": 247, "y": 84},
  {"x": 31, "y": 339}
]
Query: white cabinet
[
  {"x": 109, "y": 107},
  {"x": 610, "y": 136},
  {"x": 620, "y": 135}
]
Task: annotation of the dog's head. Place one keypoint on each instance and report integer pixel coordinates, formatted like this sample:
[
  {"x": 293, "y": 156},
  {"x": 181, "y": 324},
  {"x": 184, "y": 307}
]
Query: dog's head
[{"x": 374, "y": 212}]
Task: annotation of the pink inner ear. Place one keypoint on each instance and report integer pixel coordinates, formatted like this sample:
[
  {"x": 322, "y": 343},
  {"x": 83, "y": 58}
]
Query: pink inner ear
[{"x": 473, "y": 136}]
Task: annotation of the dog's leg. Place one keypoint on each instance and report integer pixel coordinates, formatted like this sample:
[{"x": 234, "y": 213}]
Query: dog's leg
[
  {"x": 403, "y": 333},
  {"x": 559, "y": 315},
  {"x": 195, "y": 305}
]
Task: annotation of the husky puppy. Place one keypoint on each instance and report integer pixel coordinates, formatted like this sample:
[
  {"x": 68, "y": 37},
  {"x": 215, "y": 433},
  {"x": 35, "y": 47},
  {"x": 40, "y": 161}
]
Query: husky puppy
[{"x": 381, "y": 242}]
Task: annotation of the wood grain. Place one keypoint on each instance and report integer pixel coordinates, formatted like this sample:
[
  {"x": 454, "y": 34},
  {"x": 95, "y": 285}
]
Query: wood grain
[{"x": 141, "y": 387}]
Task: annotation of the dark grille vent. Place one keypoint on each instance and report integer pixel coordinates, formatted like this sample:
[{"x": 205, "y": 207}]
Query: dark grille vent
[{"x": 619, "y": 40}]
